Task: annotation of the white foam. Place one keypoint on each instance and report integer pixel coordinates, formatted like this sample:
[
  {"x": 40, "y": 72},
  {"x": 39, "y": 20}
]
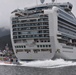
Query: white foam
[
  {"x": 7, "y": 63},
  {"x": 43, "y": 64},
  {"x": 49, "y": 63}
]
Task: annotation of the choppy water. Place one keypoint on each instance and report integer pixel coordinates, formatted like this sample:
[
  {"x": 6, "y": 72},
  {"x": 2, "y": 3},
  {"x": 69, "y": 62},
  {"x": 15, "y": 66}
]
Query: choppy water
[
  {"x": 22, "y": 70},
  {"x": 47, "y": 67}
]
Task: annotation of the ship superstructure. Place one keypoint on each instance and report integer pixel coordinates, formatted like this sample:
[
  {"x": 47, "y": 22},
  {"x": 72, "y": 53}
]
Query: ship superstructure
[{"x": 44, "y": 32}]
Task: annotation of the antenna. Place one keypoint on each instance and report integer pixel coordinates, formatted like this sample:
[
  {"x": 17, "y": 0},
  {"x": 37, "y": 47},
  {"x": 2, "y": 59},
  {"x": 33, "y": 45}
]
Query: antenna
[
  {"x": 36, "y": 2},
  {"x": 42, "y": 1},
  {"x": 56, "y": 1}
]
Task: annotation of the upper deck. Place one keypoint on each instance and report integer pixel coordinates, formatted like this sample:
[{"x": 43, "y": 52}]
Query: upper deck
[{"x": 67, "y": 7}]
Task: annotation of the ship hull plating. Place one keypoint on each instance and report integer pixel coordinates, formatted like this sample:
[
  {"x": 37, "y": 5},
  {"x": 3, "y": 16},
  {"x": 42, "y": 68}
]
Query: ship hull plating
[{"x": 44, "y": 32}]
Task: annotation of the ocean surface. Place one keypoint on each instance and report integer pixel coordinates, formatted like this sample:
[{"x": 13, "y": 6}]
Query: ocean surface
[{"x": 46, "y": 67}]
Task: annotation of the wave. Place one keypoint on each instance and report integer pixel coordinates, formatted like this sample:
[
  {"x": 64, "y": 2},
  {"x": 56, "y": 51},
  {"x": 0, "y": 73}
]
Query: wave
[
  {"x": 49, "y": 63},
  {"x": 43, "y": 63}
]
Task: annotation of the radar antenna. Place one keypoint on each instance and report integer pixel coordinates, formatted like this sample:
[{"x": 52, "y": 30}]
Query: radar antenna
[{"x": 42, "y": 1}]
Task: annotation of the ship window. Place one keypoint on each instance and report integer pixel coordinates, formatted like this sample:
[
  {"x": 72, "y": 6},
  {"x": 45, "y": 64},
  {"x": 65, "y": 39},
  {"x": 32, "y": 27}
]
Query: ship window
[
  {"x": 19, "y": 46},
  {"x": 26, "y": 36},
  {"x": 45, "y": 31},
  {"x": 19, "y": 51},
  {"x": 63, "y": 5},
  {"x": 49, "y": 45},
  {"x": 48, "y": 40},
  {"x": 46, "y": 35},
  {"x": 45, "y": 19},
  {"x": 45, "y": 23},
  {"x": 41, "y": 40},
  {"x": 14, "y": 26},
  {"x": 36, "y": 50},
  {"x": 40, "y": 31},
  {"x": 27, "y": 50},
  {"x": 40, "y": 35},
  {"x": 40, "y": 45},
  {"x": 47, "y": 50},
  {"x": 70, "y": 7},
  {"x": 37, "y": 45},
  {"x": 19, "y": 32},
  {"x": 15, "y": 41},
  {"x": 45, "y": 40},
  {"x": 24, "y": 46},
  {"x": 37, "y": 41},
  {"x": 43, "y": 49},
  {"x": 14, "y": 37},
  {"x": 46, "y": 45},
  {"x": 43, "y": 45},
  {"x": 31, "y": 35}
]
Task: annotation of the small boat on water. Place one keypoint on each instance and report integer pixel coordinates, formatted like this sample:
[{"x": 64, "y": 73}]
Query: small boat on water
[{"x": 7, "y": 60}]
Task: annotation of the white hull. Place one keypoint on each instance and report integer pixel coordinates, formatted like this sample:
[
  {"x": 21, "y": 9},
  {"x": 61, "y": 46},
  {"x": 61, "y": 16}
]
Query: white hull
[
  {"x": 56, "y": 49},
  {"x": 67, "y": 53}
]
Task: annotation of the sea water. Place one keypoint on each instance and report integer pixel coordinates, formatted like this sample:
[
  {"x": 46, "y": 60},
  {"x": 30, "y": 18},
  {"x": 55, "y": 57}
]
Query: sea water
[{"x": 46, "y": 67}]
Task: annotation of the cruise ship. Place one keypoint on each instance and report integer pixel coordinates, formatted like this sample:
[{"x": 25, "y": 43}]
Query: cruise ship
[{"x": 45, "y": 31}]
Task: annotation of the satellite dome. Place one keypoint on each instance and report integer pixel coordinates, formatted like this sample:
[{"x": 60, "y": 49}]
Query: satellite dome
[
  {"x": 42, "y": 1},
  {"x": 53, "y": 0}
]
